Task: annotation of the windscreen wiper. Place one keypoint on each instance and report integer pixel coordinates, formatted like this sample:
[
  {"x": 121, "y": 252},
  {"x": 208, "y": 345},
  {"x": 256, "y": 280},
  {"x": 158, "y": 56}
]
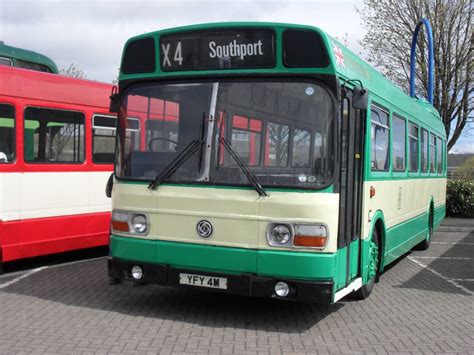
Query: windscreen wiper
[
  {"x": 248, "y": 173},
  {"x": 180, "y": 159}
]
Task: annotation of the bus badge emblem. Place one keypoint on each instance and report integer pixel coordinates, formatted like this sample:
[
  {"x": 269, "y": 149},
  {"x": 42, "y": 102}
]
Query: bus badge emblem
[{"x": 204, "y": 228}]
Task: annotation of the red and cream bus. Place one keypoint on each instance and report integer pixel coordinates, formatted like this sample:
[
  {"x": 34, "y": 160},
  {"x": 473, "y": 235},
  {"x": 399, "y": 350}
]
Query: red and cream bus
[{"x": 57, "y": 140}]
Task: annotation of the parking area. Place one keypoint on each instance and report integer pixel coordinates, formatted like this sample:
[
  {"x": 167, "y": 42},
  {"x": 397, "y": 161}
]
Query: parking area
[{"x": 423, "y": 303}]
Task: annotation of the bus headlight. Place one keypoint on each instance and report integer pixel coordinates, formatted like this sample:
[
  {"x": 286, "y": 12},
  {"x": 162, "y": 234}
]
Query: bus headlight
[
  {"x": 310, "y": 235},
  {"x": 279, "y": 235},
  {"x": 139, "y": 223},
  {"x": 129, "y": 222}
]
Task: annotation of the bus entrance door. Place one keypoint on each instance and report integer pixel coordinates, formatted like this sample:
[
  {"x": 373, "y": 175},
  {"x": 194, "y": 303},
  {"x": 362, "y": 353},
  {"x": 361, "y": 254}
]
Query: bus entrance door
[{"x": 351, "y": 176}]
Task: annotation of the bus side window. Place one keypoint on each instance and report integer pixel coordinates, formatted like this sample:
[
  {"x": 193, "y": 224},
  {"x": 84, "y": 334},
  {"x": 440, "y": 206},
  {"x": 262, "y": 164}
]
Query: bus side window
[
  {"x": 379, "y": 139},
  {"x": 413, "y": 138},
  {"x": 7, "y": 133},
  {"x": 432, "y": 153},
  {"x": 424, "y": 150},
  {"x": 6, "y": 61},
  {"x": 53, "y": 136},
  {"x": 398, "y": 143},
  {"x": 439, "y": 155}
]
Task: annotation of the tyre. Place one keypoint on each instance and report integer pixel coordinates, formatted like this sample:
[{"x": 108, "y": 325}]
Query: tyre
[
  {"x": 366, "y": 289},
  {"x": 425, "y": 244}
]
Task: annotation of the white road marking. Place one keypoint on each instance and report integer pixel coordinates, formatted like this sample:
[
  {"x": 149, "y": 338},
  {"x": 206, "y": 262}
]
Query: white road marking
[
  {"x": 450, "y": 281},
  {"x": 76, "y": 262},
  {"x": 15, "y": 280},
  {"x": 441, "y": 257},
  {"x": 34, "y": 271},
  {"x": 464, "y": 280},
  {"x": 452, "y": 243}
]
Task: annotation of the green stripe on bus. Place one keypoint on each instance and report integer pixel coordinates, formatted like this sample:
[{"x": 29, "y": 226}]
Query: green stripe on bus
[
  {"x": 275, "y": 263},
  {"x": 401, "y": 238}
]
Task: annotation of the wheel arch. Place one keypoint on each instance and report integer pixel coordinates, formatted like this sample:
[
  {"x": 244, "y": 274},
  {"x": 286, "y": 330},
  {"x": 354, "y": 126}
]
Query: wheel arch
[{"x": 378, "y": 223}]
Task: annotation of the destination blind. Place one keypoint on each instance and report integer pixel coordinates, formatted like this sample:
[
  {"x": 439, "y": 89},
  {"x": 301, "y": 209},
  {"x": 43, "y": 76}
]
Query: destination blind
[{"x": 226, "y": 49}]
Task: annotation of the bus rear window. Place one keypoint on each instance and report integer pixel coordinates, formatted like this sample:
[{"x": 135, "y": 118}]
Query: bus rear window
[{"x": 7, "y": 134}]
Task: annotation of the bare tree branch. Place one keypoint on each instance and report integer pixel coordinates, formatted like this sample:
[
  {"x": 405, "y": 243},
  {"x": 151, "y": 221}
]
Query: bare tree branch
[{"x": 390, "y": 26}]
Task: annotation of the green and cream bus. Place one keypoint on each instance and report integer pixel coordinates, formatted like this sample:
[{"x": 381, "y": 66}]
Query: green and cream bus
[{"x": 268, "y": 160}]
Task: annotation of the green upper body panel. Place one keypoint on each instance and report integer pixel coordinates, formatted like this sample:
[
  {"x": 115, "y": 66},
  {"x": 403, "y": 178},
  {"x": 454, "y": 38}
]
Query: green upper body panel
[
  {"x": 346, "y": 66},
  {"x": 15, "y": 53}
]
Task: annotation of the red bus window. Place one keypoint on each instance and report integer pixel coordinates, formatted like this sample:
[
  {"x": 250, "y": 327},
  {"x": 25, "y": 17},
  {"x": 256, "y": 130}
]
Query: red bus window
[
  {"x": 7, "y": 134},
  {"x": 53, "y": 136}
]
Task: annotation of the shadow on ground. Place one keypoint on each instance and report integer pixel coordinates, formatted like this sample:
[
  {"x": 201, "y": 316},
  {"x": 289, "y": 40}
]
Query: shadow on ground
[
  {"x": 86, "y": 285},
  {"x": 455, "y": 265}
]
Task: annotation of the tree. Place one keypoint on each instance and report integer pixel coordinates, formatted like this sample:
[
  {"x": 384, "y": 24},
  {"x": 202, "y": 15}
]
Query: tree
[
  {"x": 73, "y": 71},
  {"x": 390, "y": 25}
]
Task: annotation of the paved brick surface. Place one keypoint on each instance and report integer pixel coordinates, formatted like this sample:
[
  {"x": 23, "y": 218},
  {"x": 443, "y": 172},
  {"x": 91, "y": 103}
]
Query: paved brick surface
[{"x": 423, "y": 304}]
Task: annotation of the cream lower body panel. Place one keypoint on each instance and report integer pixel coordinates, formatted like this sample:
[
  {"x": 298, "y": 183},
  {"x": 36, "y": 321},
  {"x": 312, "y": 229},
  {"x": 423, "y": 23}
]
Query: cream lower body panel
[
  {"x": 239, "y": 216},
  {"x": 401, "y": 200}
]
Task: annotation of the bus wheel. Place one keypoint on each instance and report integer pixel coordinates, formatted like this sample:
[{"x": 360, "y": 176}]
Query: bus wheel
[
  {"x": 425, "y": 244},
  {"x": 366, "y": 289}
]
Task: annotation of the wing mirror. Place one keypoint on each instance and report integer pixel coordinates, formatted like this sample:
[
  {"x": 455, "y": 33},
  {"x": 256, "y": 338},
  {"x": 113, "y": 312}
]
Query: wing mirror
[{"x": 360, "y": 98}]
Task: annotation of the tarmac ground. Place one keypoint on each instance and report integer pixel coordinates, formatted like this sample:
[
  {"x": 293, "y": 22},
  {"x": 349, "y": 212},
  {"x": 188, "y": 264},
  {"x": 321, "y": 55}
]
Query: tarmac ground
[{"x": 422, "y": 304}]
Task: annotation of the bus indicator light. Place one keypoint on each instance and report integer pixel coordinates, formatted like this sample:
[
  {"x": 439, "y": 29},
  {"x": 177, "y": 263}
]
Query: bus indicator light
[
  {"x": 120, "y": 226},
  {"x": 372, "y": 191},
  {"x": 310, "y": 236},
  {"x": 309, "y": 241}
]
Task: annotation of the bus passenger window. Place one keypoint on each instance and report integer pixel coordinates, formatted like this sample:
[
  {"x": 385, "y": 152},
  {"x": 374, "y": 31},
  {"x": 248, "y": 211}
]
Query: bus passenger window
[
  {"x": 7, "y": 133},
  {"x": 53, "y": 136},
  {"x": 398, "y": 144},
  {"x": 413, "y": 147},
  {"x": 379, "y": 136},
  {"x": 439, "y": 155},
  {"x": 432, "y": 153},
  {"x": 246, "y": 139},
  {"x": 424, "y": 150},
  {"x": 276, "y": 144},
  {"x": 301, "y": 148}
]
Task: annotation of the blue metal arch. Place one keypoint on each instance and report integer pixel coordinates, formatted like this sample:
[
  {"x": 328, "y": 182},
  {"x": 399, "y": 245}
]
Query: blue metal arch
[{"x": 425, "y": 22}]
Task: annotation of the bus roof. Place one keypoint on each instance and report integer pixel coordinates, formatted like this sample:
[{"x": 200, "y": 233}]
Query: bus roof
[
  {"x": 343, "y": 63},
  {"x": 17, "y": 82},
  {"x": 14, "y": 53}
]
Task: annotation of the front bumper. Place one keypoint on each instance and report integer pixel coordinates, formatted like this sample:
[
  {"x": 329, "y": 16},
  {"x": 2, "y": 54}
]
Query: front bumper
[{"x": 241, "y": 284}]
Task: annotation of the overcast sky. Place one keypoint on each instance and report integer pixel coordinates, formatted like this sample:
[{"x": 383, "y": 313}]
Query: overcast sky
[{"x": 91, "y": 34}]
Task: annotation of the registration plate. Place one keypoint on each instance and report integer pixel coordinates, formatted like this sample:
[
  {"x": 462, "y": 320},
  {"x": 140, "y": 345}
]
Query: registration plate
[{"x": 203, "y": 281}]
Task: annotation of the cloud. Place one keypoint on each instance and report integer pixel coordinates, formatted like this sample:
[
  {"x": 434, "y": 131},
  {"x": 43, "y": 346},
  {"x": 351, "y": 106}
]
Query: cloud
[{"x": 91, "y": 34}]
